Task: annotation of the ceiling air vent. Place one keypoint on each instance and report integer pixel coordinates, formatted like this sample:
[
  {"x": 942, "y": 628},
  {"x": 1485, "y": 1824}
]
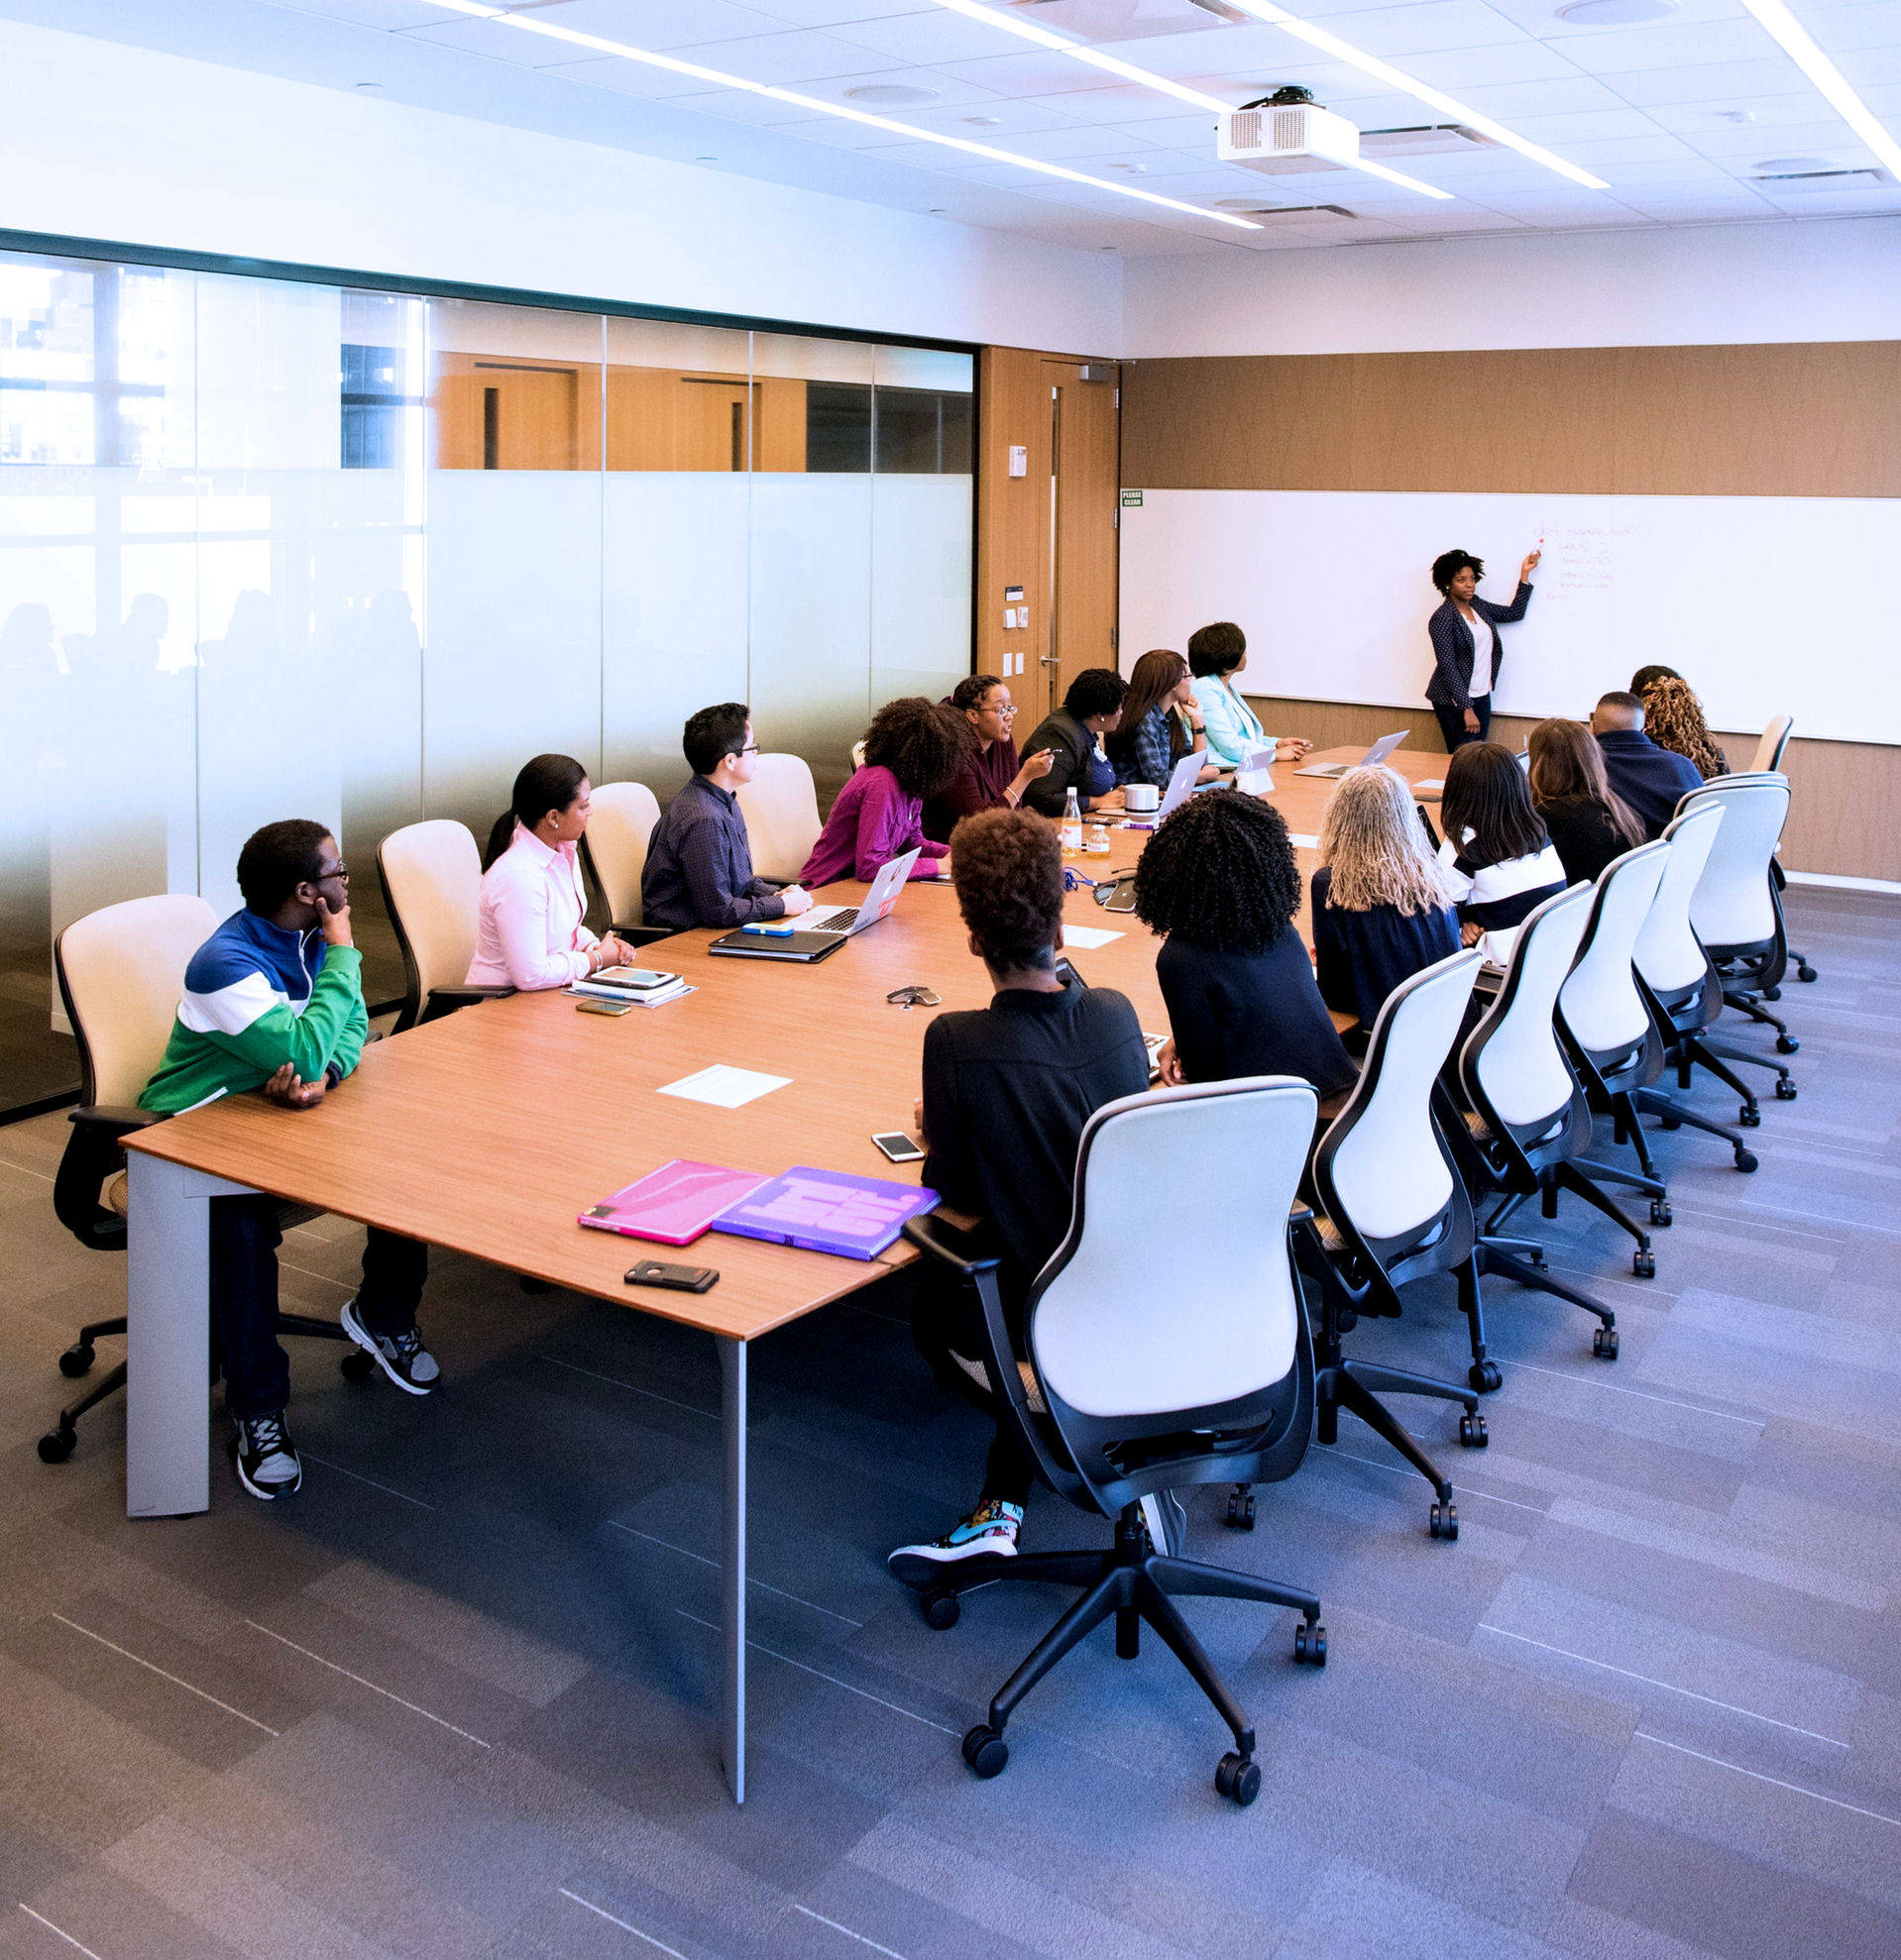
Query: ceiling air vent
[
  {"x": 1843, "y": 180},
  {"x": 1423, "y": 140},
  {"x": 1128, "y": 20}
]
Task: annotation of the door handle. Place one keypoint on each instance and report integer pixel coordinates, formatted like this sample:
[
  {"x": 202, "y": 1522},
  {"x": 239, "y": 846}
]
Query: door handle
[{"x": 1051, "y": 660}]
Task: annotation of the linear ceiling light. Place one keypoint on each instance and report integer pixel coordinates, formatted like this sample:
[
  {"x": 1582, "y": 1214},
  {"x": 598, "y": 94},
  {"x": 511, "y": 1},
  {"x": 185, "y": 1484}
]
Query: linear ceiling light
[
  {"x": 1342, "y": 51},
  {"x": 1807, "y": 56},
  {"x": 714, "y": 79},
  {"x": 1012, "y": 23}
]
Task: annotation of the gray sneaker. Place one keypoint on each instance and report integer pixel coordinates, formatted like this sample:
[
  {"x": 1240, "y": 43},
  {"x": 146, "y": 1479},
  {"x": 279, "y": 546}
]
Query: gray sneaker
[
  {"x": 401, "y": 1357},
  {"x": 1165, "y": 1519},
  {"x": 265, "y": 1457}
]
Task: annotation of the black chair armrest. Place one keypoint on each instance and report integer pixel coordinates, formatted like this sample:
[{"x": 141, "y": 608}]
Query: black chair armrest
[
  {"x": 112, "y": 1120},
  {"x": 641, "y": 936},
  {"x": 955, "y": 1247},
  {"x": 445, "y": 1000},
  {"x": 93, "y": 1153}
]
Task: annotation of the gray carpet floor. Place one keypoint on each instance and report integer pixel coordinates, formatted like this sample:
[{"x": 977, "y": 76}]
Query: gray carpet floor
[{"x": 458, "y": 1698}]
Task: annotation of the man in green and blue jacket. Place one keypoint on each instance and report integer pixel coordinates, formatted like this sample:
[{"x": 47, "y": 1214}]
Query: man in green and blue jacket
[{"x": 274, "y": 1002}]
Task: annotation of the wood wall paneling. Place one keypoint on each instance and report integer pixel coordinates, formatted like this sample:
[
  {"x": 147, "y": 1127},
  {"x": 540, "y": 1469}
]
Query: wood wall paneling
[
  {"x": 1013, "y": 517},
  {"x": 1783, "y": 420},
  {"x": 1089, "y": 484}
]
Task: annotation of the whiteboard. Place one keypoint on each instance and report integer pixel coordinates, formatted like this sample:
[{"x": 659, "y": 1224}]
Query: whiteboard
[{"x": 1766, "y": 605}]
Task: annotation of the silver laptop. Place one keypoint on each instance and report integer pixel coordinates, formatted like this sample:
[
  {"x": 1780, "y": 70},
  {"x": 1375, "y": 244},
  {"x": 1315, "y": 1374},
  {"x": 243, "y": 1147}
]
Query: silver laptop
[
  {"x": 1379, "y": 752},
  {"x": 877, "y": 903},
  {"x": 1182, "y": 782}
]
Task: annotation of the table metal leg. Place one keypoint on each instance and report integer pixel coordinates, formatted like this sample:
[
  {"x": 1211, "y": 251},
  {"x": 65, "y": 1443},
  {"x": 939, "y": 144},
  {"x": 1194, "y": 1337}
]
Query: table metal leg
[
  {"x": 733, "y": 1563},
  {"x": 168, "y": 1336}
]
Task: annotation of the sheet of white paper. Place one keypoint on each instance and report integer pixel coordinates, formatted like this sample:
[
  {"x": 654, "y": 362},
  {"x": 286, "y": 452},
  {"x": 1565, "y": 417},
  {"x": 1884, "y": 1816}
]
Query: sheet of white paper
[
  {"x": 724, "y": 1087},
  {"x": 1301, "y": 841},
  {"x": 1088, "y": 938},
  {"x": 1430, "y": 783}
]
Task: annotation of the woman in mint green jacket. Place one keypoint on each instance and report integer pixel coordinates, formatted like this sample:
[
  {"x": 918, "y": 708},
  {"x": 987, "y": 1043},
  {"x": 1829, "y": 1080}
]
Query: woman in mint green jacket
[{"x": 1215, "y": 655}]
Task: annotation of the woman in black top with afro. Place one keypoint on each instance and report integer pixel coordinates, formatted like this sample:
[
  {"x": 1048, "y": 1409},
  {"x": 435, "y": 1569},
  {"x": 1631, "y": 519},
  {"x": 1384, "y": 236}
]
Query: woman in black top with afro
[{"x": 1220, "y": 881}]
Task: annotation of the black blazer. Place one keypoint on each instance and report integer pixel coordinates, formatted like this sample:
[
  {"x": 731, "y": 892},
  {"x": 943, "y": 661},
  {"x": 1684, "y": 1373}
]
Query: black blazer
[{"x": 1453, "y": 650}]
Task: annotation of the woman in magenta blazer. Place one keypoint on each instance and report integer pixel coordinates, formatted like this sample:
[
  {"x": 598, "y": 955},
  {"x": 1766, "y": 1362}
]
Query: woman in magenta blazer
[{"x": 914, "y": 749}]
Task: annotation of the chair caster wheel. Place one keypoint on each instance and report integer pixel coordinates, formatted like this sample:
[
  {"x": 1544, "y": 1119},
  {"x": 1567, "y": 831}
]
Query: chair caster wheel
[
  {"x": 76, "y": 1360},
  {"x": 1472, "y": 1433},
  {"x": 355, "y": 1366},
  {"x": 1671, "y": 1123},
  {"x": 1772, "y": 992},
  {"x": 1445, "y": 1521},
  {"x": 1484, "y": 1376},
  {"x": 1660, "y": 1212},
  {"x": 1309, "y": 1646},
  {"x": 1805, "y": 973},
  {"x": 1241, "y": 1510},
  {"x": 1785, "y": 1090},
  {"x": 1786, "y": 1045},
  {"x": 1750, "y": 1116},
  {"x": 1644, "y": 1265},
  {"x": 942, "y": 1611},
  {"x": 1745, "y": 1160},
  {"x": 986, "y": 1751},
  {"x": 1238, "y": 1777},
  {"x": 57, "y": 1445},
  {"x": 1604, "y": 1344}
]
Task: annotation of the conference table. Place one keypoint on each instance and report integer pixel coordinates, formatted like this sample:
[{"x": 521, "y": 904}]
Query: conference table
[{"x": 488, "y": 1131}]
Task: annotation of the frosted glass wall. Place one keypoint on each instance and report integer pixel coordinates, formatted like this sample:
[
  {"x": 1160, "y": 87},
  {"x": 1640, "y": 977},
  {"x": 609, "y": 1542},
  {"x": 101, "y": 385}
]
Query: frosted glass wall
[{"x": 273, "y": 549}]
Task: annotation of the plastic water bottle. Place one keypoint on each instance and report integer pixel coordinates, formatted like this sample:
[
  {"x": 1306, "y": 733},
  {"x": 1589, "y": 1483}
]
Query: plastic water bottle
[{"x": 1072, "y": 832}]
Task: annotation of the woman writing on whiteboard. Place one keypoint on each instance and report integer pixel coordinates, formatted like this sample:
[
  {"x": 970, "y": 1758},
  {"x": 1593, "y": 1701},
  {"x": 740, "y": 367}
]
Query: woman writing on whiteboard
[{"x": 1465, "y": 644}]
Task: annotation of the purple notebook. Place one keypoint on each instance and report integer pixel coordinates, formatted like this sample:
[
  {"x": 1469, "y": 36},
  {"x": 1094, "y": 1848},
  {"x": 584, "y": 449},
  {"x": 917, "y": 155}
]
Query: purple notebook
[
  {"x": 673, "y": 1205},
  {"x": 826, "y": 1211}
]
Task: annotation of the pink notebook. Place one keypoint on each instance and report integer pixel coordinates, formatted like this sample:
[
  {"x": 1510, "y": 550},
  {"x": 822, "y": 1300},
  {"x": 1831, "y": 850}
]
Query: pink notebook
[{"x": 675, "y": 1204}]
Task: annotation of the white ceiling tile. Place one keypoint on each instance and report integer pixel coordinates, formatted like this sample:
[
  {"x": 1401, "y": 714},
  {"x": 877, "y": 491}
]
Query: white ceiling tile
[
  {"x": 1617, "y": 51},
  {"x": 496, "y": 43},
  {"x": 836, "y": 13},
  {"x": 1846, "y": 30},
  {"x": 387, "y": 14},
  {"x": 1541, "y": 16},
  {"x": 788, "y": 59},
  {"x": 656, "y": 24},
  {"x": 1834, "y": 204},
  {"x": 1557, "y": 95},
  {"x": 628, "y": 78},
  {"x": 1816, "y": 135},
  {"x": 935, "y": 35},
  {"x": 1869, "y": 68},
  {"x": 1425, "y": 27},
  {"x": 1480, "y": 67},
  {"x": 1710, "y": 81},
  {"x": 1588, "y": 126},
  {"x": 1034, "y": 72}
]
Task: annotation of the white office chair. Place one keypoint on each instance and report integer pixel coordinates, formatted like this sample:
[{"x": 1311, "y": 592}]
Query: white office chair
[
  {"x": 1529, "y": 1122},
  {"x": 781, "y": 809},
  {"x": 121, "y": 973},
  {"x": 1159, "y": 1359},
  {"x": 431, "y": 875},
  {"x": 615, "y": 850},
  {"x": 857, "y": 753},
  {"x": 1603, "y": 1015},
  {"x": 1681, "y": 986},
  {"x": 1394, "y": 1209},
  {"x": 1736, "y": 909}
]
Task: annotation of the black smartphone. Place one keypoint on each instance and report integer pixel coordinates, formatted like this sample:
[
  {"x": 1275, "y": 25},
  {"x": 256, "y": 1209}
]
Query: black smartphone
[
  {"x": 898, "y": 1147},
  {"x": 676, "y": 1278}
]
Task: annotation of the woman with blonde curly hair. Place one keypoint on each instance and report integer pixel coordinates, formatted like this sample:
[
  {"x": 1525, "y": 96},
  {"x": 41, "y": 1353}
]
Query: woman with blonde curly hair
[
  {"x": 1382, "y": 911},
  {"x": 1673, "y": 720}
]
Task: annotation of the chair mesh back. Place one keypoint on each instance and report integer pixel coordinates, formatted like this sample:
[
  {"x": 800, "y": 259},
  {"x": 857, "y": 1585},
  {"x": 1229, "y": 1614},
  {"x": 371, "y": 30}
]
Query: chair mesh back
[
  {"x": 1519, "y": 1066},
  {"x": 620, "y": 826},
  {"x": 1598, "y": 1000},
  {"x": 1387, "y": 1173},
  {"x": 121, "y": 972},
  {"x": 1668, "y": 953},
  {"x": 781, "y": 809},
  {"x": 1172, "y": 1290},
  {"x": 1732, "y": 905},
  {"x": 1775, "y": 738},
  {"x": 433, "y": 874}
]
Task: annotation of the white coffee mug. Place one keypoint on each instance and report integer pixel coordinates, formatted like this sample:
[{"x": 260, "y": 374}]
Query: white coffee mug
[{"x": 1141, "y": 798}]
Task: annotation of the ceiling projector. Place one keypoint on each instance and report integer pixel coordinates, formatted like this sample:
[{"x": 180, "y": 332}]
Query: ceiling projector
[{"x": 1285, "y": 133}]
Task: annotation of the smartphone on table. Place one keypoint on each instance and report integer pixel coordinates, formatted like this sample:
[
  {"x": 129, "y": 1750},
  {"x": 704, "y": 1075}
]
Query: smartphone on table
[
  {"x": 899, "y": 1147},
  {"x": 674, "y": 1278}
]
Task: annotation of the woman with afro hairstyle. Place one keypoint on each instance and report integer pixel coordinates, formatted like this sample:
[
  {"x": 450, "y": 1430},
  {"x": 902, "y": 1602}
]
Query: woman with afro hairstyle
[
  {"x": 1219, "y": 880},
  {"x": 915, "y": 748},
  {"x": 1466, "y": 648}
]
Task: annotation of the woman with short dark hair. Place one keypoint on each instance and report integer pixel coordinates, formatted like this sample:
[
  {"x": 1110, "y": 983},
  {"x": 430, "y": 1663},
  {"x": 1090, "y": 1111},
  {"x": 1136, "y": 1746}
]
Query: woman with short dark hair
[
  {"x": 1219, "y": 880},
  {"x": 1587, "y": 822},
  {"x": 1496, "y": 856},
  {"x": 992, "y": 776},
  {"x": 529, "y": 924},
  {"x": 1216, "y": 654},
  {"x": 1091, "y": 709},
  {"x": 914, "y": 749},
  {"x": 1466, "y": 648}
]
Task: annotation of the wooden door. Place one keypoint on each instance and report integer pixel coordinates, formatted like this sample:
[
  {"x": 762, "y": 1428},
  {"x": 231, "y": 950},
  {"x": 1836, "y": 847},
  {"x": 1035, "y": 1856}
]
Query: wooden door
[{"x": 1085, "y": 492}]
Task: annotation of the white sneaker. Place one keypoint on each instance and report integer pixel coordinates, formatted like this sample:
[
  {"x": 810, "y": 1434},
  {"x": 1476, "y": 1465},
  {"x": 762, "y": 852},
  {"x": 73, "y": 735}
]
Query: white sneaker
[
  {"x": 265, "y": 1457},
  {"x": 401, "y": 1357},
  {"x": 1165, "y": 1519},
  {"x": 990, "y": 1532}
]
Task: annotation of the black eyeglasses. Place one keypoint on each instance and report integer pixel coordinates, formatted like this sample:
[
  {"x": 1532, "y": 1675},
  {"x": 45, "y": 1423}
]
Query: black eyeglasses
[{"x": 342, "y": 871}]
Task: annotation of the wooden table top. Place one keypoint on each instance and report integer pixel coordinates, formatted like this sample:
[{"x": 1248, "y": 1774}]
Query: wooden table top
[{"x": 488, "y": 1131}]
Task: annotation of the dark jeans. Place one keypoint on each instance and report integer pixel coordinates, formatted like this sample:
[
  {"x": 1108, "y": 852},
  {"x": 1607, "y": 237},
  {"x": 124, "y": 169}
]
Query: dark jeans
[
  {"x": 946, "y": 1319},
  {"x": 245, "y": 1237},
  {"x": 1452, "y": 723}
]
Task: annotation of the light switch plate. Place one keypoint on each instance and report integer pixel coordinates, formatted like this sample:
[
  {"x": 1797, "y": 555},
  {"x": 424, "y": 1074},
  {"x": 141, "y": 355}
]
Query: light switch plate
[{"x": 1019, "y": 459}]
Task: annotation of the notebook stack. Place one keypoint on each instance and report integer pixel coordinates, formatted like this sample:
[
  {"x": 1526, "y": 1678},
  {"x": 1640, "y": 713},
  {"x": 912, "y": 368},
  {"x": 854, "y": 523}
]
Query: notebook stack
[{"x": 643, "y": 985}]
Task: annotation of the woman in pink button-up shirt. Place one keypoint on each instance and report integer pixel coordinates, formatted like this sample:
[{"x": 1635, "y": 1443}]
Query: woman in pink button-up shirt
[{"x": 530, "y": 932}]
